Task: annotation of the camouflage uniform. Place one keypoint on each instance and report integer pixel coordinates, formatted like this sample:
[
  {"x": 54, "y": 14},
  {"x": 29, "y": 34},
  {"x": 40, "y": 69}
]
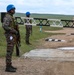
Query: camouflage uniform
[
  {"x": 10, "y": 34},
  {"x": 28, "y": 30}
]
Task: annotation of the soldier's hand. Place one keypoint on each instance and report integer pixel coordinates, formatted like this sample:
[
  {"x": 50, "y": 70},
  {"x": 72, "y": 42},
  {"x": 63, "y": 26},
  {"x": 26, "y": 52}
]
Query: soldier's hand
[{"x": 14, "y": 31}]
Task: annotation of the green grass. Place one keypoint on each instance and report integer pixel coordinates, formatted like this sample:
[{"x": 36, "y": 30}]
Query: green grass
[
  {"x": 53, "y": 16},
  {"x": 36, "y": 35}
]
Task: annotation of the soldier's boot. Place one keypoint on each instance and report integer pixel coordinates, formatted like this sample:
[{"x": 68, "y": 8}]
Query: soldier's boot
[
  {"x": 28, "y": 43},
  {"x": 14, "y": 67},
  {"x": 10, "y": 69}
]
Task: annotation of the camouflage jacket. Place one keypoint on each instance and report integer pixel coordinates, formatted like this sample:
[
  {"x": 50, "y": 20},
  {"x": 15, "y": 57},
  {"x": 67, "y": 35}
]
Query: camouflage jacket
[
  {"x": 29, "y": 27},
  {"x": 9, "y": 24}
]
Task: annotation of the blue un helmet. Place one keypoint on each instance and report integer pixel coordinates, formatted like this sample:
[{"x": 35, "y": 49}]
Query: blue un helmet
[
  {"x": 9, "y": 7},
  {"x": 27, "y": 13}
]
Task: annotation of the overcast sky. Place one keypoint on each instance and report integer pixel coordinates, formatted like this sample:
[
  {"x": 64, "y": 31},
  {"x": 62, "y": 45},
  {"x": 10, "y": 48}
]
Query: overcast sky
[{"x": 40, "y": 6}]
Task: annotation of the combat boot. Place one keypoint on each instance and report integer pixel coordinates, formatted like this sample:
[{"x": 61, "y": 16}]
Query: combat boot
[
  {"x": 13, "y": 67},
  {"x": 28, "y": 43},
  {"x": 10, "y": 69}
]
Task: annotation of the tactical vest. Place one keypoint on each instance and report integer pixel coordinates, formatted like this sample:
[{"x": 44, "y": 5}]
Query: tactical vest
[
  {"x": 12, "y": 25},
  {"x": 12, "y": 21}
]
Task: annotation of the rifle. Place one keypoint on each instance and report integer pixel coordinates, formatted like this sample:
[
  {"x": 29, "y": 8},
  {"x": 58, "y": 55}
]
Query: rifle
[{"x": 17, "y": 41}]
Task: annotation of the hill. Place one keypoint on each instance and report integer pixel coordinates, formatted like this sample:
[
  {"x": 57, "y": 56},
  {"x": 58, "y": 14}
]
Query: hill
[{"x": 51, "y": 16}]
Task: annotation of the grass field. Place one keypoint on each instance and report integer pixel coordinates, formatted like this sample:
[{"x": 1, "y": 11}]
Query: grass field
[{"x": 36, "y": 35}]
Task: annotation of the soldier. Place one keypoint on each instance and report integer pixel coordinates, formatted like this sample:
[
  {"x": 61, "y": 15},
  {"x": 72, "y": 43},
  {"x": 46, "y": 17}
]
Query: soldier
[
  {"x": 28, "y": 28},
  {"x": 10, "y": 34}
]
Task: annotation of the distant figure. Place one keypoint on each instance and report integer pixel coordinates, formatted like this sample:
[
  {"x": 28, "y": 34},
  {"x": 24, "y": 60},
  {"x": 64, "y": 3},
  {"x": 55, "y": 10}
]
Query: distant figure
[
  {"x": 11, "y": 33},
  {"x": 28, "y": 28}
]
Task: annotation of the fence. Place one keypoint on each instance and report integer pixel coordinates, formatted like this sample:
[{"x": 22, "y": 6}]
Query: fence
[{"x": 40, "y": 21}]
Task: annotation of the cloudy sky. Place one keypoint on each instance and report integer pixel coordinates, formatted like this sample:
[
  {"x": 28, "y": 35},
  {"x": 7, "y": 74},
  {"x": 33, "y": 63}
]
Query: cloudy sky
[{"x": 40, "y": 6}]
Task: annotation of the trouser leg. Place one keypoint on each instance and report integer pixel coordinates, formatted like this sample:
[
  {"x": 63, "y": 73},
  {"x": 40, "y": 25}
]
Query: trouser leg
[
  {"x": 10, "y": 47},
  {"x": 27, "y": 37},
  {"x": 9, "y": 54}
]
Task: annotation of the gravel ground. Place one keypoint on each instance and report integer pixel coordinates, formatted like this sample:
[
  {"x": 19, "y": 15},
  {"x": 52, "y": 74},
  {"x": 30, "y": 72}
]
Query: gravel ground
[{"x": 42, "y": 67}]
